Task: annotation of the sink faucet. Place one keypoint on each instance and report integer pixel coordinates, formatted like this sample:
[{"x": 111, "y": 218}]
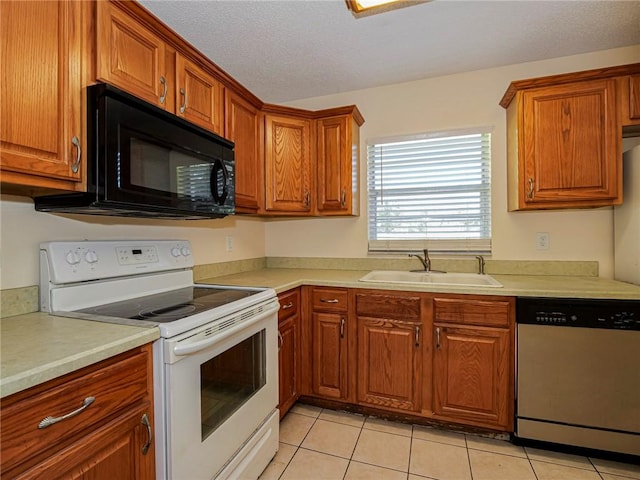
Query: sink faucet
[
  {"x": 480, "y": 259},
  {"x": 426, "y": 261}
]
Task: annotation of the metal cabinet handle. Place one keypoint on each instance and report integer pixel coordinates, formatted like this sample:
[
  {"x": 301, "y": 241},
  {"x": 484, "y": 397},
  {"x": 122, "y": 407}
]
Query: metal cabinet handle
[
  {"x": 48, "y": 421},
  {"x": 438, "y": 337},
  {"x": 342, "y": 327},
  {"x": 287, "y": 306},
  {"x": 75, "y": 166},
  {"x": 307, "y": 199},
  {"x": 343, "y": 198},
  {"x": 183, "y": 94},
  {"x": 329, "y": 300},
  {"x": 417, "y": 336},
  {"x": 147, "y": 423},
  {"x": 163, "y": 82},
  {"x": 280, "y": 341},
  {"x": 530, "y": 193}
]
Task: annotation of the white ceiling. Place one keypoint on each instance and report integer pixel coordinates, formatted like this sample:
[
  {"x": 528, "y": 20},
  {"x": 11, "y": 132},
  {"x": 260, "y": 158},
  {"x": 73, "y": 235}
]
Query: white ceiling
[{"x": 284, "y": 50}]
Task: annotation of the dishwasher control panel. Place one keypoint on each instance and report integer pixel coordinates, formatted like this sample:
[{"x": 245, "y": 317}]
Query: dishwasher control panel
[{"x": 585, "y": 313}]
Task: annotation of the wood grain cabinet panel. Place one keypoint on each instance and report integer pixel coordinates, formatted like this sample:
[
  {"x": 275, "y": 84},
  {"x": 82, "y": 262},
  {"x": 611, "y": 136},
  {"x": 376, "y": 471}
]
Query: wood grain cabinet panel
[
  {"x": 129, "y": 55},
  {"x": 105, "y": 440},
  {"x": 199, "y": 96},
  {"x": 288, "y": 164},
  {"x": 564, "y": 144},
  {"x": 288, "y": 349},
  {"x": 42, "y": 139},
  {"x": 389, "y": 364},
  {"x": 471, "y": 375},
  {"x": 329, "y": 362},
  {"x": 629, "y": 104},
  {"x": 244, "y": 127}
]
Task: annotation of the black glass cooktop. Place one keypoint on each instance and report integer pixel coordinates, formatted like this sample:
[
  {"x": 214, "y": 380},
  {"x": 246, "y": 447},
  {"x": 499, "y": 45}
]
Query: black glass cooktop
[{"x": 171, "y": 306}]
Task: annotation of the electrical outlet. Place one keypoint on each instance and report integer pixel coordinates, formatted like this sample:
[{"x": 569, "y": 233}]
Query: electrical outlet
[
  {"x": 542, "y": 241},
  {"x": 229, "y": 240}
]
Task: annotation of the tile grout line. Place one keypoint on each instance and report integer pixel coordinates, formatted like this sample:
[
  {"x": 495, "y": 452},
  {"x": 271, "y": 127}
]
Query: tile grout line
[
  {"x": 535, "y": 474},
  {"x": 315, "y": 419},
  {"x": 466, "y": 447}
]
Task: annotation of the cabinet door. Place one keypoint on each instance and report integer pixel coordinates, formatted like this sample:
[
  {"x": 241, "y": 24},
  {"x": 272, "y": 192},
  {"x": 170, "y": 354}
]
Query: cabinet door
[
  {"x": 199, "y": 96},
  {"x": 334, "y": 190},
  {"x": 113, "y": 451},
  {"x": 129, "y": 55},
  {"x": 329, "y": 362},
  {"x": 471, "y": 375},
  {"x": 243, "y": 127},
  {"x": 287, "y": 361},
  {"x": 287, "y": 164},
  {"x": 41, "y": 91},
  {"x": 389, "y": 364},
  {"x": 570, "y": 146}
]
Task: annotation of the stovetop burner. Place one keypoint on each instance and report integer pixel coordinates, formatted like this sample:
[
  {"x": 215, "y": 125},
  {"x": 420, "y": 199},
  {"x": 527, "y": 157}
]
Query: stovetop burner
[{"x": 172, "y": 305}]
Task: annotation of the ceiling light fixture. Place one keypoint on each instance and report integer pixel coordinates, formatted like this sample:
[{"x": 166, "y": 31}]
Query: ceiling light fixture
[{"x": 363, "y": 8}]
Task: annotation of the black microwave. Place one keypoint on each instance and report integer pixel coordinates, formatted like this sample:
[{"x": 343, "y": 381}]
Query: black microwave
[{"x": 145, "y": 162}]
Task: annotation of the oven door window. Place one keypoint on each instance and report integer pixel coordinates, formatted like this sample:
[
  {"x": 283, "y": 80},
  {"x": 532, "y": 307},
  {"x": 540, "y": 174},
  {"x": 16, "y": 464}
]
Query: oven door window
[{"x": 228, "y": 380}]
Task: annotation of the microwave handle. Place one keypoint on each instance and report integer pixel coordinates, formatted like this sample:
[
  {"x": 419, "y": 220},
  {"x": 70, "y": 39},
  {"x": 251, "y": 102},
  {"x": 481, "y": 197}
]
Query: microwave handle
[{"x": 218, "y": 165}]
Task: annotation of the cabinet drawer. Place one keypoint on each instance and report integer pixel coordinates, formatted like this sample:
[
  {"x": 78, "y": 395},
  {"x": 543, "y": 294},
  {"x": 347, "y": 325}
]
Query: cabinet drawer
[
  {"x": 395, "y": 307},
  {"x": 114, "y": 387},
  {"x": 330, "y": 299},
  {"x": 289, "y": 304},
  {"x": 494, "y": 313}
]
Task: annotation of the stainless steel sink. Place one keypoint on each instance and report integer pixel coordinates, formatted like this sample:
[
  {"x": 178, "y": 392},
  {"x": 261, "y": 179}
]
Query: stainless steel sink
[{"x": 432, "y": 278}]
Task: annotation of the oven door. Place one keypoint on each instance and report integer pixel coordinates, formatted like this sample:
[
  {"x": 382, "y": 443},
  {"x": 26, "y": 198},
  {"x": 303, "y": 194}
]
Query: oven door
[{"x": 219, "y": 389}]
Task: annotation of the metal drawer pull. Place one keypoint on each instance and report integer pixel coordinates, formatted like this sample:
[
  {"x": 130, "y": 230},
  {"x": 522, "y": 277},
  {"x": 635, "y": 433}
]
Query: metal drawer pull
[
  {"x": 75, "y": 166},
  {"x": 342, "y": 327},
  {"x": 307, "y": 199},
  {"x": 184, "y": 101},
  {"x": 287, "y": 306},
  {"x": 147, "y": 423},
  {"x": 438, "y": 337},
  {"x": 530, "y": 193},
  {"x": 343, "y": 199},
  {"x": 417, "y": 336},
  {"x": 163, "y": 97},
  {"x": 280, "y": 341},
  {"x": 329, "y": 300},
  {"x": 48, "y": 421}
]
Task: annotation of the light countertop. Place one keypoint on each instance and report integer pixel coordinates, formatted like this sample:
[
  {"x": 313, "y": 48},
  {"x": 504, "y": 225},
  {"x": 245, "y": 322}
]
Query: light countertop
[
  {"x": 282, "y": 279},
  {"x": 38, "y": 347}
]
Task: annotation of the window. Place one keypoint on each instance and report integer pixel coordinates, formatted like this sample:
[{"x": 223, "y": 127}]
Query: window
[{"x": 430, "y": 191}]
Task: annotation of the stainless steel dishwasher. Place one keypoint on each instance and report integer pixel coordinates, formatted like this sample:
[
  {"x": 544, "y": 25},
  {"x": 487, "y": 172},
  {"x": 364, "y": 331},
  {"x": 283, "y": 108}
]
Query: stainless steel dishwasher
[{"x": 578, "y": 373}]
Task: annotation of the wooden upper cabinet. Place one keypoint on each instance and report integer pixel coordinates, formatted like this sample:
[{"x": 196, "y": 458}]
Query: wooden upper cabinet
[
  {"x": 568, "y": 142},
  {"x": 244, "y": 127},
  {"x": 338, "y": 141},
  {"x": 288, "y": 180},
  {"x": 199, "y": 96},
  {"x": 42, "y": 139},
  {"x": 129, "y": 55},
  {"x": 629, "y": 94}
]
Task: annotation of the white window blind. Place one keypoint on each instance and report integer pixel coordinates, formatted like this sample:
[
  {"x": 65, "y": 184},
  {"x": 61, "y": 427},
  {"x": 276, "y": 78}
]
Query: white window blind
[{"x": 430, "y": 191}]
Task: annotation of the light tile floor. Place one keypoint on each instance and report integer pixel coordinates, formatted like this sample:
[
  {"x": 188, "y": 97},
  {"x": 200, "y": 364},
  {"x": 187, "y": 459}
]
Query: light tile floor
[{"x": 324, "y": 444}]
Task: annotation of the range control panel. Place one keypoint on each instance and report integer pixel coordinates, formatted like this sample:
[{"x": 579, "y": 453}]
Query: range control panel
[
  {"x": 72, "y": 262},
  {"x": 585, "y": 313}
]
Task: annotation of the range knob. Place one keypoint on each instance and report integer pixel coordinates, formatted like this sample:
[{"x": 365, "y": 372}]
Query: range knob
[
  {"x": 175, "y": 252},
  {"x": 72, "y": 258},
  {"x": 91, "y": 256},
  {"x": 185, "y": 251}
]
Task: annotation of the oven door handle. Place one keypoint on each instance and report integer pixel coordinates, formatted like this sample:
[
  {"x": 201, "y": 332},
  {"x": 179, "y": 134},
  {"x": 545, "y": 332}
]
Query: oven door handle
[{"x": 188, "y": 349}]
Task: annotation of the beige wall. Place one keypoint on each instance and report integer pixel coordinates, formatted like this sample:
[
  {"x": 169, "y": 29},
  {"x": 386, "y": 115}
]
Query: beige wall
[
  {"x": 459, "y": 101},
  {"x": 456, "y": 101},
  {"x": 22, "y": 230}
]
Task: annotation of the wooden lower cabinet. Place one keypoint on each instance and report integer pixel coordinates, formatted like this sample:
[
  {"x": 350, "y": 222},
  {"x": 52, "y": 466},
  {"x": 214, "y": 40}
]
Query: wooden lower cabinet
[
  {"x": 442, "y": 357},
  {"x": 288, "y": 350},
  {"x": 111, "y": 438},
  {"x": 472, "y": 375},
  {"x": 329, "y": 355},
  {"x": 389, "y": 364}
]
